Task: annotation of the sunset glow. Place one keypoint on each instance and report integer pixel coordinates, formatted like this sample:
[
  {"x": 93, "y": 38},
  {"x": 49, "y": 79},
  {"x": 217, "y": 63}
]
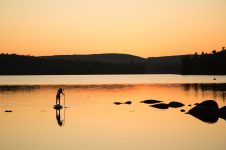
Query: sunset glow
[{"x": 140, "y": 27}]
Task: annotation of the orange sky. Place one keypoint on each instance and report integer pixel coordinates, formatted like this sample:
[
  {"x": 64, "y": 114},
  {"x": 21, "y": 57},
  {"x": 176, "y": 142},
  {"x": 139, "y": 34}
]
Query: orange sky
[{"x": 140, "y": 27}]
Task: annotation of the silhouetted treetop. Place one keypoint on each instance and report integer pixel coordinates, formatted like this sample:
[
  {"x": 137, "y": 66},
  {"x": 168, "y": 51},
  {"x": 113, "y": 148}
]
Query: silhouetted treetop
[{"x": 209, "y": 63}]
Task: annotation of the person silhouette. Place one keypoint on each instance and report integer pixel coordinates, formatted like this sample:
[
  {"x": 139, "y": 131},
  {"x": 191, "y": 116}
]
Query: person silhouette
[{"x": 60, "y": 91}]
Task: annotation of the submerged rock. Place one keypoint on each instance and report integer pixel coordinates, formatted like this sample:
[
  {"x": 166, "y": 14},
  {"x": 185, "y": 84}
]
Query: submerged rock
[
  {"x": 117, "y": 103},
  {"x": 196, "y": 104},
  {"x": 172, "y": 104},
  {"x": 128, "y": 102},
  {"x": 8, "y": 111},
  {"x": 182, "y": 110},
  {"x": 150, "y": 101},
  {"x": 160, "y": 106},
  {"x": 206, "y": 111},
  {"x": 175, "y": 104}
]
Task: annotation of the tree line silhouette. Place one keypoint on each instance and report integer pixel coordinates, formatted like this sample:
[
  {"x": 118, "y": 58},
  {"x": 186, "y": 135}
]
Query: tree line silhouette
[
  {"x": 12, "y": 64},
  {"x": 204, "y": 63}
]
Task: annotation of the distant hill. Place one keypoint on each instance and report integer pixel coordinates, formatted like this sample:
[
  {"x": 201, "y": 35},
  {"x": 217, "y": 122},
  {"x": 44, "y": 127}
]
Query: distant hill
[
  {"x": 102, "y": 58},
  {"x": 164, "y": 65},
  {"x": 212, "y": 63},
  {"x": 12, "y": 64}
]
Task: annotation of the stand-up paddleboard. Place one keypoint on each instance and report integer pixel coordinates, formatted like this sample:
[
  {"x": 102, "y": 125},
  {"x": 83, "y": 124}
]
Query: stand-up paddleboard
[{"x": 57, "y": 106}]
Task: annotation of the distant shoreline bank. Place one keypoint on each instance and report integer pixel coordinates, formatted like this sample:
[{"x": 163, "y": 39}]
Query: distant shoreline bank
[{"x": 112, "y": 64}]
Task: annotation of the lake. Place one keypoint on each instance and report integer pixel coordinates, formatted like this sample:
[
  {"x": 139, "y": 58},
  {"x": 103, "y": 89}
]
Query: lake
[{"x": 91, "y": 120}]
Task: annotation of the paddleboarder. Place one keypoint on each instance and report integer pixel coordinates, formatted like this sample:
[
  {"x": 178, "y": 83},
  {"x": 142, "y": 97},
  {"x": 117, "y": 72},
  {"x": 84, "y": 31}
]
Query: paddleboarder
[{"x": 60, "y": 91}]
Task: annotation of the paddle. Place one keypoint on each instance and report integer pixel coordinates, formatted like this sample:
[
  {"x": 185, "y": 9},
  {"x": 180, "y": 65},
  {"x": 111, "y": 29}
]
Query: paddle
[{"x": 64, "y": 101}]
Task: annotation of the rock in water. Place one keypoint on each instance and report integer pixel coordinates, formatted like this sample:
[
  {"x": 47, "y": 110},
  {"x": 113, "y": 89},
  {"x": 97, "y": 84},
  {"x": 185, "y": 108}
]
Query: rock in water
[
  {"x": 160, "y": 106},
  {"x": 150, "y": 101},
  {"x": 128, "y": 102},
  {"x": 8, "y": 111},
  {"x": 182, "y": 110},
  {"x": 196, "y": 104},
  {"x": 222, "y": 112},
  {"x": 175, "y": 104},
  {"x": 206, "y": 111},
  {"x": 117, "y": 103}
]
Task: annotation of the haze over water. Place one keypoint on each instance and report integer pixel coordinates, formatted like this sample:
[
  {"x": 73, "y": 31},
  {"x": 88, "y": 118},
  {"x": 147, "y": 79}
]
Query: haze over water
[{"x": 92, "y": 121}]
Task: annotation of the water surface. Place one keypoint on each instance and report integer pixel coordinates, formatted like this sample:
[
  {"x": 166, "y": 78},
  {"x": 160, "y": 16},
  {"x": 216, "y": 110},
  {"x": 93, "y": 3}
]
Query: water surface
[
  {"x": 93, "y": 122},
  {"x": 109, "y": 79}
]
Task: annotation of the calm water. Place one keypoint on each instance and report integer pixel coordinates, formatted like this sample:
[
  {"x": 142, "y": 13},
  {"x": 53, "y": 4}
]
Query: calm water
[
  {"x": 108, "y": 79},
  {"x": 93, "y": 122}
]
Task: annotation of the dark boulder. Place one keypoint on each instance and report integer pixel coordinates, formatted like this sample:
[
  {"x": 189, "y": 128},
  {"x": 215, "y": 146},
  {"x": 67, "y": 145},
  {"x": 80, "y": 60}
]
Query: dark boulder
[
  {"x": 160, "y": 106},
  {"x": 222, "y": 112},
  {"x": 175, "y": 104},
  {"x": 206, "y": 111},
  {"x": 150, "y": 101},
  {"x": 128, "y": 102}
]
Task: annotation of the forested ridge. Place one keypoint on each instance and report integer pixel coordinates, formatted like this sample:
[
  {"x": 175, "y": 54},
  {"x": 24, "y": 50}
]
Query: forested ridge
[{"x": 204, "y": 63}]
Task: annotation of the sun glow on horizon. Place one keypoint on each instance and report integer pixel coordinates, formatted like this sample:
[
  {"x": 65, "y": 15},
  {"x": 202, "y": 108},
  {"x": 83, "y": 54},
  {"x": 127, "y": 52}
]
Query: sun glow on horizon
[{"x": 144, "y": 28}]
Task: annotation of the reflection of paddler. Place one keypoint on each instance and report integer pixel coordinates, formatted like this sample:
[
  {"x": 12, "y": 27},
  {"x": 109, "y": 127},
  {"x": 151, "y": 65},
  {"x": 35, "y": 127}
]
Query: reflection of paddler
[
  {"x": 60, "y": 91},
  {"x": 58, "y": 117}
]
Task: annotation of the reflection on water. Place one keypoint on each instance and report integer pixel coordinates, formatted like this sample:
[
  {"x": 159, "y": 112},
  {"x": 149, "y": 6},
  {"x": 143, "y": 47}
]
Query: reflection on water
[
  {"x": 16, "y": 88},
  {"x": 205, "y": 87},
  {"x": 216, "y": 90},
  {"x": 60, "y": 121},
  {"x": 93, "y": 118}
]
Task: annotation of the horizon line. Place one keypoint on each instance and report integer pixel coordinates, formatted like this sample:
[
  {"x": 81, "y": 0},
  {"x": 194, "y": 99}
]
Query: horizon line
[{"x": 106, "y": 53}]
